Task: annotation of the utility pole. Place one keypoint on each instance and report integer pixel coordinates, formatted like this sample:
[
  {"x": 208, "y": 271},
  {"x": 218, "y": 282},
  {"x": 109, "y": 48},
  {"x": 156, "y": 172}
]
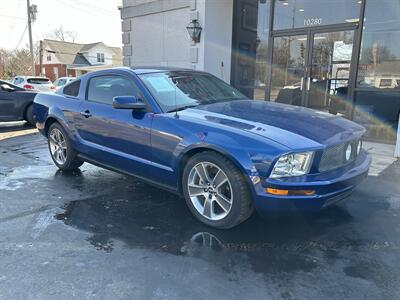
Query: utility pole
[
  {"x": 41, "y": 59},
  {"x": 32, "y": 10}
]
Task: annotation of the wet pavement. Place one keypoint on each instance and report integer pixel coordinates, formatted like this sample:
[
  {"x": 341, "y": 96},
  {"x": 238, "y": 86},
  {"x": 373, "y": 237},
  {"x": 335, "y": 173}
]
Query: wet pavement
[{"x": 94, "y": 233}]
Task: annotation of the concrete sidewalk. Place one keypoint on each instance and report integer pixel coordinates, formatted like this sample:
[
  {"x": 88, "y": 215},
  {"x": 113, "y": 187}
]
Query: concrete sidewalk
[{"x": 382, "y": 156}]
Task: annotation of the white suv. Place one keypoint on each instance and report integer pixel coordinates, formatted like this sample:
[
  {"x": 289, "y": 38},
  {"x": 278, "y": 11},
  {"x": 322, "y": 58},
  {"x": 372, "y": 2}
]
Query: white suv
[{"x": 42, "y": 84}]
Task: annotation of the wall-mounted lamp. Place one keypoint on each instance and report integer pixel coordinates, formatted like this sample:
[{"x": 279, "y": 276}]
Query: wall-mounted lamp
[{"x": 194, "y": 30}]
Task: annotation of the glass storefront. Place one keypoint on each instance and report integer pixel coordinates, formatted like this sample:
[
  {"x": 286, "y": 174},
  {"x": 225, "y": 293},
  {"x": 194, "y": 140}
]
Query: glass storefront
[
  {"x": 377, "y": 92},
  {"x": 330, "y": 71},
  {"x": 250, "y": 47},
  {"x": 346, "y": 62},
  {"x": 291, "y": 14},
  {"x": 288, "y": 69}
]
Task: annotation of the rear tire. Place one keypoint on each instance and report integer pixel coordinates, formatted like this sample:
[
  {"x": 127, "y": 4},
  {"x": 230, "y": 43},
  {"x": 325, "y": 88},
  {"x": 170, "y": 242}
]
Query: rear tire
[
  {"x": 60, "y": 147},
  {"x": 29, "y": 115},
  {"x": 219, "y": 196}
]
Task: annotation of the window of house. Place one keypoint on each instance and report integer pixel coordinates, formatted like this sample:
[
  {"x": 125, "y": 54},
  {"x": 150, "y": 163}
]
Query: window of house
[
  {"x": 72, "y": 89},
  {"x": 100, "y": 57},
  {"x": 48, "y": 57},
  {"x": 379, "y": 65},
  {"x": 103, "y": 89},
  {"x": 55, "y": 72}
]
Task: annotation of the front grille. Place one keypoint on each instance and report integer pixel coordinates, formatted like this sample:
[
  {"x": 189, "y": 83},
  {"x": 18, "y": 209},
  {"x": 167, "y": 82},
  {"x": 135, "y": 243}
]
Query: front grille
[{"x": 335, "y": 157}]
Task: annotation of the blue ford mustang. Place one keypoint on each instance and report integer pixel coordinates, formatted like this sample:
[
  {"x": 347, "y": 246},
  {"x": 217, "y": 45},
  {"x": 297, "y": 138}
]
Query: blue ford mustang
[{"x": 195, "y": 135}]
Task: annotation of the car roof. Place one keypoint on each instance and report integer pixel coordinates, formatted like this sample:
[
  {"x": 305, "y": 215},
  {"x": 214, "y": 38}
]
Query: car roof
[
  {"x": 157, "y": 69},
  {"x": 142, "y": 70},
  {"x": 29, "y": 77}
]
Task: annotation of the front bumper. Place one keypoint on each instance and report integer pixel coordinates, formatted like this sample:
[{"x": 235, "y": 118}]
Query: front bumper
[{"x": 330, "y": 187}]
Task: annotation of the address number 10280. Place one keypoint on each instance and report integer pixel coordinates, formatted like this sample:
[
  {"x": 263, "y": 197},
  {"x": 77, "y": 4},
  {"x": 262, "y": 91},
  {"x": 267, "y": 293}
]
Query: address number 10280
[{"x": 312, "y": 22}]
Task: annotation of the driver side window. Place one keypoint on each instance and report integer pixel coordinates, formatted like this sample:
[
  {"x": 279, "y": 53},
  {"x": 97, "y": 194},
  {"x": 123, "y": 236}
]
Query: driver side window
[{"x": 103, "y": 89}]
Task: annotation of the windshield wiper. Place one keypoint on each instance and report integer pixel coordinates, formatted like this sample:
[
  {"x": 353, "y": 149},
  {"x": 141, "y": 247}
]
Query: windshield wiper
[{"x": 179, "y": 108}]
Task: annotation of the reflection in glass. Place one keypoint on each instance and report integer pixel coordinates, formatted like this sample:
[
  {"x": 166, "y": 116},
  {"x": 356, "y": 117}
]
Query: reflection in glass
[
  {"x": 262, "y": 50},
  {"x": 378, "y": 111},
  {"x": 250, "y": 47},
  {"x": 379, "y": 65},
  {"x": 330, "y": 71},
  {"x": 308, "y": 13},
  {"x": 288, "y": 69}
]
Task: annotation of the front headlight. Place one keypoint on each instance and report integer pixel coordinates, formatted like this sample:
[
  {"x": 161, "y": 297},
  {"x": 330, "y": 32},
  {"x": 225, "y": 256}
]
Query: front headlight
[{"x": 293, "y": 164}]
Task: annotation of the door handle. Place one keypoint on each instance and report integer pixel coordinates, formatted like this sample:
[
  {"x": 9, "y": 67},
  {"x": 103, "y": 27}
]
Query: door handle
[
  {"x": 86, "y": 113},
  {"x": 308, "y": 83},
  {"x": 301, "y": 83}
]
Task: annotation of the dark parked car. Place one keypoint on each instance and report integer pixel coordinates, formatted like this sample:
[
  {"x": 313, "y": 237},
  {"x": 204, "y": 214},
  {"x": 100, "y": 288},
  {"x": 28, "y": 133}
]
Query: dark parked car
[
  {"x": 15, "y": 103},
  {"x": 193, "y": 134}
]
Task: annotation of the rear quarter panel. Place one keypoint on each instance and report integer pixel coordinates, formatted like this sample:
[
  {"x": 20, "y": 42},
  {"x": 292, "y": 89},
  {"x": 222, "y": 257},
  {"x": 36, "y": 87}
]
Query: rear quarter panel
[{"x": 56, "y": 107}]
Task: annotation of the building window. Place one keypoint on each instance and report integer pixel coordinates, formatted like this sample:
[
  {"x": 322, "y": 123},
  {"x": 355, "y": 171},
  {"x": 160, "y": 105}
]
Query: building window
[
  {"x": 305, "y": 13},
  {"x": 100, "y": 57},
  {"x": 48, "y": 56},
  {"x": 250, "y": 47},
  {"x": 379, "y": 64}
]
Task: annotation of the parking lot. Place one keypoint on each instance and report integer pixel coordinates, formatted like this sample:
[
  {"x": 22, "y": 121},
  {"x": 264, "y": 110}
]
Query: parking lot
[{"x": 97, "y": 234}]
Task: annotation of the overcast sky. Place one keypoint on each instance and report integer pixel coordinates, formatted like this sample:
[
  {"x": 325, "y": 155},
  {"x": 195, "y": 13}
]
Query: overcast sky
[{"x": 93, "y": 21}]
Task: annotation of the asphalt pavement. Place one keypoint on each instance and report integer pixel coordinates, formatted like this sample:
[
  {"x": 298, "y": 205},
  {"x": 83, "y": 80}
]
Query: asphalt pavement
[{"x": 96, "y": 234}]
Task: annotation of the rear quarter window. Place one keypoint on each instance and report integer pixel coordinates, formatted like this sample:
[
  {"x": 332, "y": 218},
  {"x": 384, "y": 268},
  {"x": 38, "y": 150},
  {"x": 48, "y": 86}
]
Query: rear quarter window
[{"x": 72, "y": 89}]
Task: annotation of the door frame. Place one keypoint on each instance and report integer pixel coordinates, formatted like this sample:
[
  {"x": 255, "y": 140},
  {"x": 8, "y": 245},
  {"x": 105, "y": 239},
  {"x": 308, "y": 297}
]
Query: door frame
[{"x": 310, "y": 32}]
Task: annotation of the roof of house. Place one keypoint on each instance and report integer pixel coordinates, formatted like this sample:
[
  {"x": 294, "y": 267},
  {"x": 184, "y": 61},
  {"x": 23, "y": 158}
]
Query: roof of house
[{"x": 72, "y": 53}]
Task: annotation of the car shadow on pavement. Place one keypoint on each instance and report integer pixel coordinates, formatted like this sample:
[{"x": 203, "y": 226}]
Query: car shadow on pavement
[{"x": 145, "y": 217}]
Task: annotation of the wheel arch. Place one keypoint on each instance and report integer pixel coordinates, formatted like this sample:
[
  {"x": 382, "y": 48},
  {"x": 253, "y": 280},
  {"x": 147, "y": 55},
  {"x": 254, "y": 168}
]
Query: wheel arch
[
  {"x": 48, "y": 123},
  {"x": 189, "y": 153}
]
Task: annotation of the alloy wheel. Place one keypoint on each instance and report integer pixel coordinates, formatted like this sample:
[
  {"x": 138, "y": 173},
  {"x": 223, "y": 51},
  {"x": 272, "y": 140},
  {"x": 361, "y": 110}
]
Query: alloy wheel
[
  {"x": 210, "y": 191},
  {"x": 58, "y": 146}
]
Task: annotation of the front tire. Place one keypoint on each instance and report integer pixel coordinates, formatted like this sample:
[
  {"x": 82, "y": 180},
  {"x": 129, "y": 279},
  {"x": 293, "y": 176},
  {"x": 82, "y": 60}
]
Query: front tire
[
  {"x": 216, "y": 191},
  {"x": 61, "y": 151}
]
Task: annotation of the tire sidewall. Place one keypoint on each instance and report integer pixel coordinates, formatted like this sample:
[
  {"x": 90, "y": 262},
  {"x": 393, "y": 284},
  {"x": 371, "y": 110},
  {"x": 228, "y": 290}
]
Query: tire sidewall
[
  {"x": 29, "y": 115},
  {"x": 231, "y": 219},
  {"x": 68, "y": 144}
]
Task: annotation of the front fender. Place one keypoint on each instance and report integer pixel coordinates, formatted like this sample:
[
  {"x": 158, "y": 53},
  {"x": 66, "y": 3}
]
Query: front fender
[{"x": 252, "y": 157}]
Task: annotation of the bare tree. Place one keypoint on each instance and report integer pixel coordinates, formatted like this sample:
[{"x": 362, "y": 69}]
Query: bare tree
[
  {"x": 16, "y": 62},
  {"x": 61, "y": 34}
]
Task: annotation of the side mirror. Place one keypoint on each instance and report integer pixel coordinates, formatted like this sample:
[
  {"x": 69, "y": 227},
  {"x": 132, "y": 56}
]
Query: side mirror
[
  {"x": 5, "y": 87},
  {"x": 128, "y": 102}
]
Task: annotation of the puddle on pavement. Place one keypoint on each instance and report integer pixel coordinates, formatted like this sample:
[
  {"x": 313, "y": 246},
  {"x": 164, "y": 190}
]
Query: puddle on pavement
[
  {"x": 13, "y": 179},
  {"x": 144, "y": 217}
]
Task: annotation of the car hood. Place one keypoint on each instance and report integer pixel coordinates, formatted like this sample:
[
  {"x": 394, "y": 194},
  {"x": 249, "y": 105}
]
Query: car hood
[{"x": 292, "y": 126}]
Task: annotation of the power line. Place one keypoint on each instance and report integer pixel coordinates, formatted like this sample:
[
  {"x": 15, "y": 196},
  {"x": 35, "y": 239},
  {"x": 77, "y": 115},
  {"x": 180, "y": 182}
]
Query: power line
[
  {"x": 22, "y": 36},
  {"x": 5, "y": 16},
  {"x": 16, "y": 13},
  {"x": 91, "y": 6},
  {"x": 90, "y": 12}
]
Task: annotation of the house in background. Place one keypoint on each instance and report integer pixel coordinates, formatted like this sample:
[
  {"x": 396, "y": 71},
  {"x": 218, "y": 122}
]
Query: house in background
[{"x": 62, "y": 59}]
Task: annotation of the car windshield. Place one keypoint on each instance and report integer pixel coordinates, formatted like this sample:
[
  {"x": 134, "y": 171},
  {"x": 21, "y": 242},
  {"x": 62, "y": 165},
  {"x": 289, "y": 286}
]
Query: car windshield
[
  {"x": 181, "y": 89},
  {"x": 38, "y": 80}
]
